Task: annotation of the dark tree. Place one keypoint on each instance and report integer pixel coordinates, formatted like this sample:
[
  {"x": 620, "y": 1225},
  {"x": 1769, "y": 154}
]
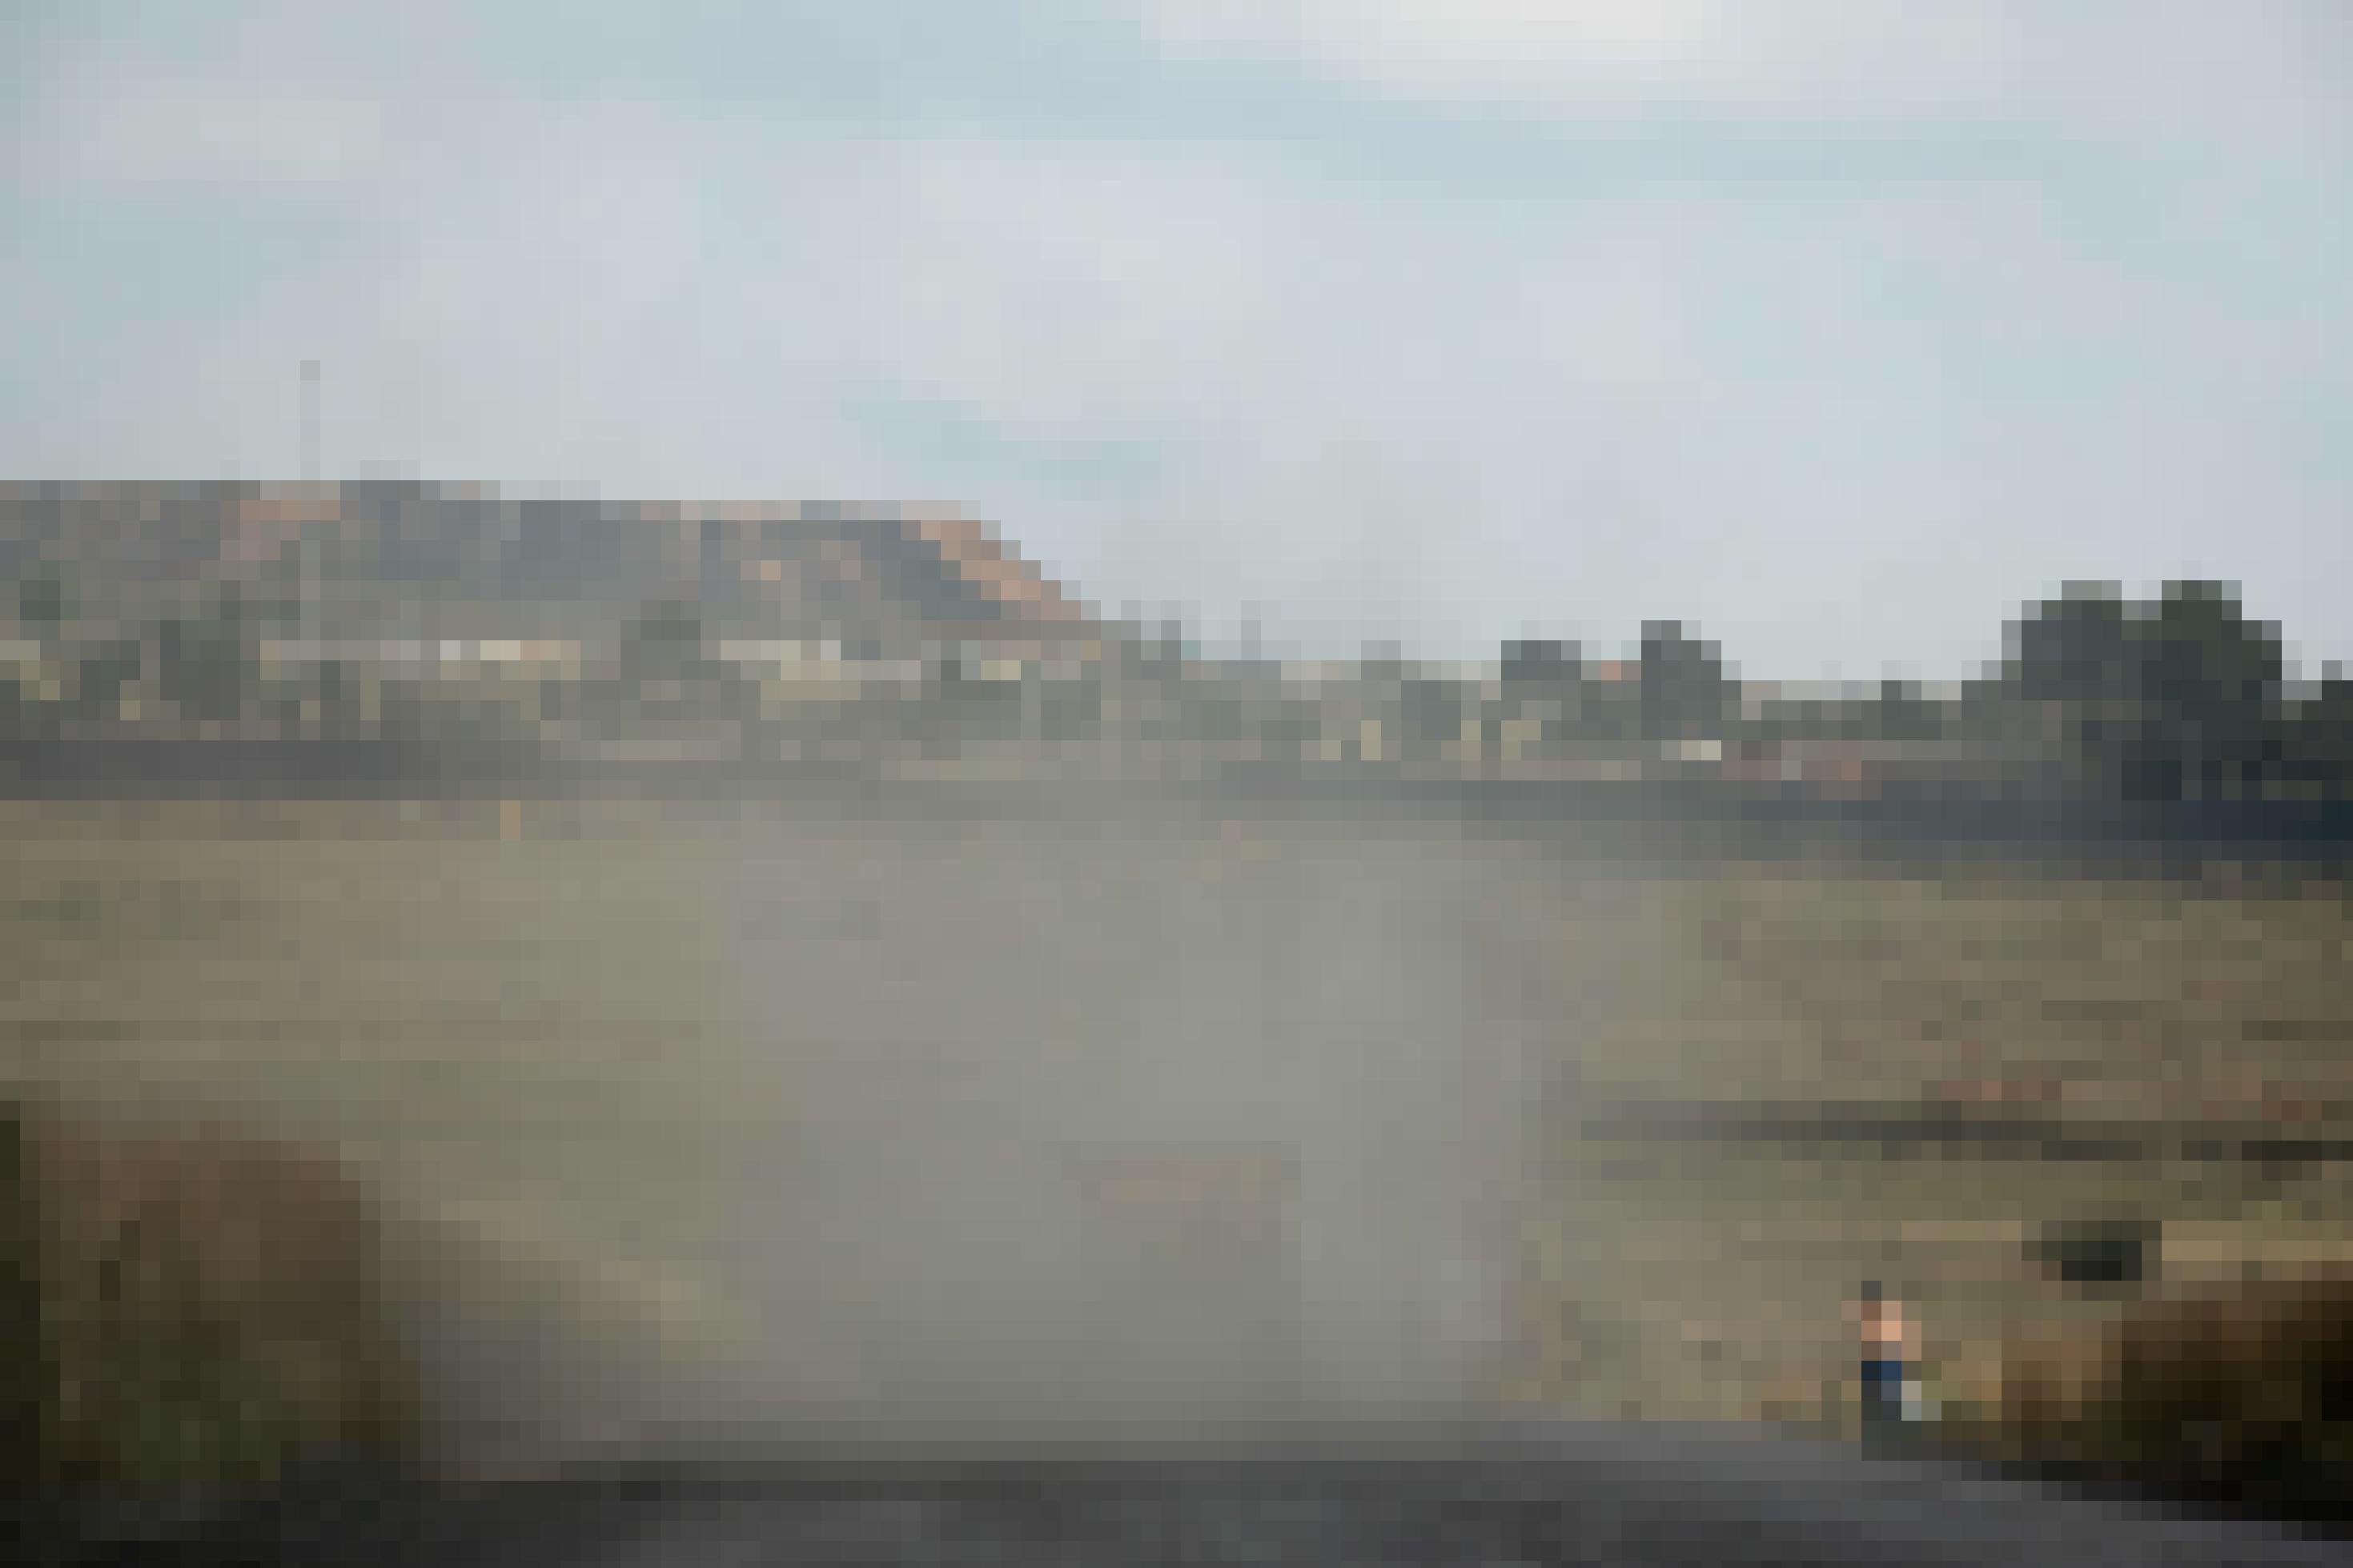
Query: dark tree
[
  {"x": 103, "y": 672},
  {"x": 210, "y": 661},
  {"x": 1680, "y": 683},
  {"x": 1901, "y": 713},
  {"x": 46, "y": 597},
  {"x": 1539, "y": 662},
  {"x": 2211, "y": 686},
  {"x": 1429, "y": 715},
  {"x": 2160, "y": 698},
  {"x": 2082, "y": 647}
]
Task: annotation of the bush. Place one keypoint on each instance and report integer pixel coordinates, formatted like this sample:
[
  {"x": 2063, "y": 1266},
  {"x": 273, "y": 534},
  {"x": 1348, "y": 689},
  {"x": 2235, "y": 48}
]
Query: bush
[
  {"x": 2245, "y": 1393},
  {"x": 190, "y": 1312}
]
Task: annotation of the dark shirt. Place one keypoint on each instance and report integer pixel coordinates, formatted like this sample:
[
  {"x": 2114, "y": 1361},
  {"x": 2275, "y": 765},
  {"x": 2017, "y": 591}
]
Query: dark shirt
[{"x": 1883, "y": 1385}]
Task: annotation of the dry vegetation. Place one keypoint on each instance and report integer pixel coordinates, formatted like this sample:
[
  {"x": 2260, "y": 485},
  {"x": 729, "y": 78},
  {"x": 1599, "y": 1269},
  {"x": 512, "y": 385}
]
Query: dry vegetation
[
  {"x": 205, "y": 1311},
  {"x": 2242, "y": 1391},
  {"x": 521, "y": 993}
]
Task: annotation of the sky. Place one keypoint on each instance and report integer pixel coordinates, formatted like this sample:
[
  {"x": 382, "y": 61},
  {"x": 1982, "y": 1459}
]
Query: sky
[{"x": 1836, "y": 329}]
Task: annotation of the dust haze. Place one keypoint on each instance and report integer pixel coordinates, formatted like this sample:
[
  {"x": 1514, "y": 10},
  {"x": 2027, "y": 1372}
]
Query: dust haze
[
  {"x": 720, "y": 1132},
  {"x": 986, "y": 1131}
]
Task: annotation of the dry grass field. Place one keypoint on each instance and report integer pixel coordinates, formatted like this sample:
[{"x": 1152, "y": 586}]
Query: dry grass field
[
  {"x": 1942, "y": 1069},
  {"x": 748, "y": 1103}
]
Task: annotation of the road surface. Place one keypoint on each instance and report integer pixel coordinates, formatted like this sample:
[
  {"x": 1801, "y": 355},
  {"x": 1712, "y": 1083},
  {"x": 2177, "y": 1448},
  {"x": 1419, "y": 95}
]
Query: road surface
[{"x": 1603, "y": 1495}]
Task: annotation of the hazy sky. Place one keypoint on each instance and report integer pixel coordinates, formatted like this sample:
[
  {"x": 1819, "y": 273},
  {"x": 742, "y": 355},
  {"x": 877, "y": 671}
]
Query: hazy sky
[{"x": 1838, "y": 329}]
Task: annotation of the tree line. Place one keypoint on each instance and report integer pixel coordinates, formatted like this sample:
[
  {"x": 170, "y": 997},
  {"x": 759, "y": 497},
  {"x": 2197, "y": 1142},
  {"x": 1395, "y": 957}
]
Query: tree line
[
  {"x": 2177, "y": 696},
  {"x": 2180, "y": 695}
]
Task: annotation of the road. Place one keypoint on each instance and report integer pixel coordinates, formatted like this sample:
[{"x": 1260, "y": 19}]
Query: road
[{"x": 1608, "y": 1495}]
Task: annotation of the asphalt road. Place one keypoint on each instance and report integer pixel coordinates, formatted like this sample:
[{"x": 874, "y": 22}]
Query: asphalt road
[{"x": 1575, "y": 1495}]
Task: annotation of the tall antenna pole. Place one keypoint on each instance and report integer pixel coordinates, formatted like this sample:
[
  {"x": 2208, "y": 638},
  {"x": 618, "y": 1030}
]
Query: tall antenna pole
[{"x": 310, "y": 421}]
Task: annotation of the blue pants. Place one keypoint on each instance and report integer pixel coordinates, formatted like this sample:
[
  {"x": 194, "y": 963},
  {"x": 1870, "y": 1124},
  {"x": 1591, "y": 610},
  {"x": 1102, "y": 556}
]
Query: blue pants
[{"x": 1883, "y": 1388}]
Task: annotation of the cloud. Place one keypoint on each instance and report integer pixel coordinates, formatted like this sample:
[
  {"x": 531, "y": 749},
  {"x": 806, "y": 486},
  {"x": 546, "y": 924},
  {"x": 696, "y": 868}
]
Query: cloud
[
  {"x": 135, "y": 127},
  {"x": 1400, "y": 316},
  {"x": 2270, "y": 75},
  {"x": 1476, "y": 47},
  {"x": 924, "y": 435}
]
